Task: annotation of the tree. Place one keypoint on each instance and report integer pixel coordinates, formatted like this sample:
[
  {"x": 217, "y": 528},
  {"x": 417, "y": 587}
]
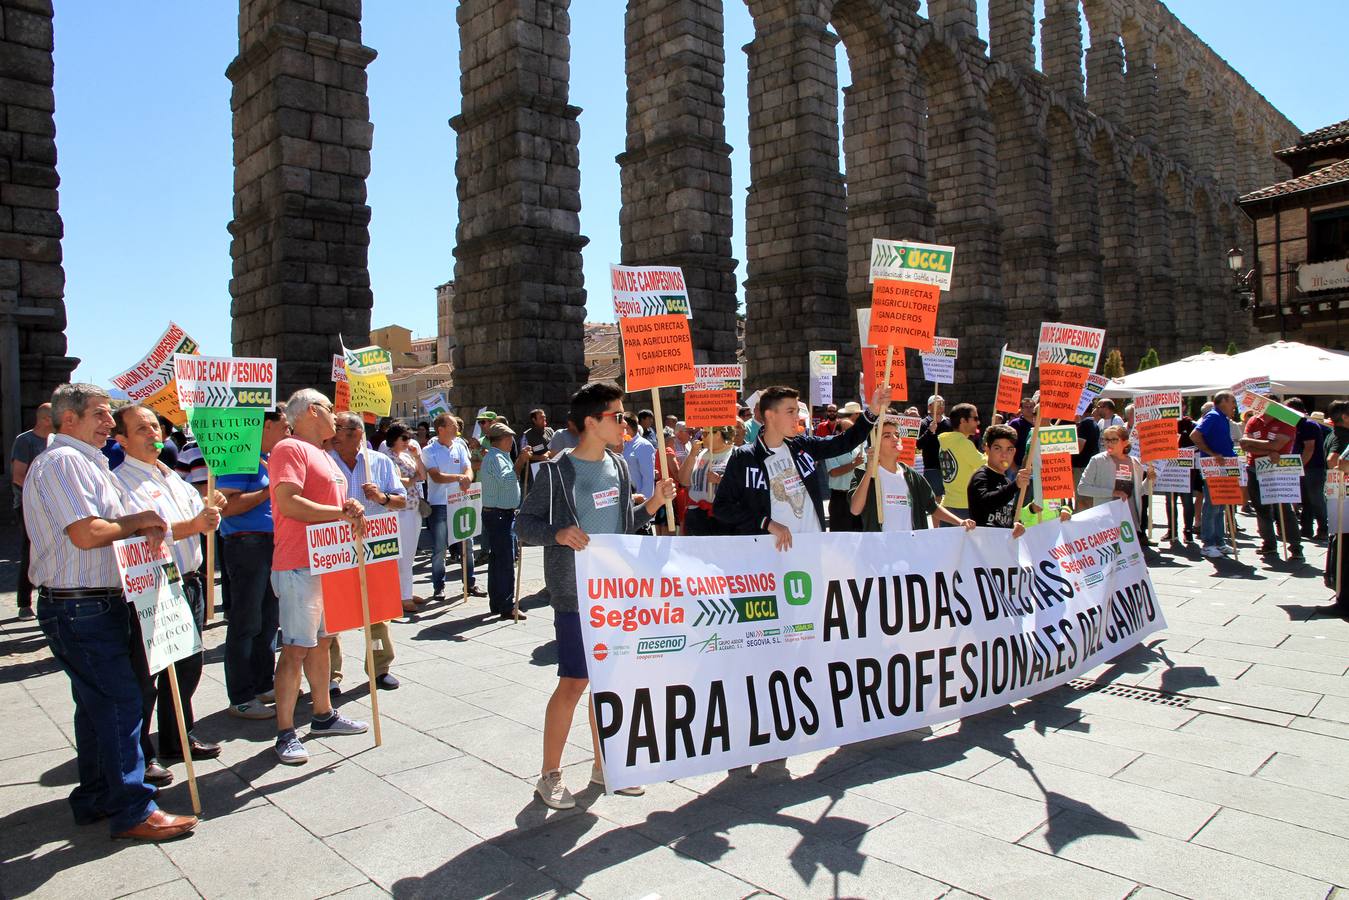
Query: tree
[
  {"x": 1114, "y": 365},
  {"x": 1149, "y": 360},
  {"x": 1232, "y": 348},
  {"x": 1207, "y": 348}
]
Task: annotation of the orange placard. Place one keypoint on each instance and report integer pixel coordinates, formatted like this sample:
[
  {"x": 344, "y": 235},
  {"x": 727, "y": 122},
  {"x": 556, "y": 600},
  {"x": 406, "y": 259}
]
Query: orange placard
[
  {"x": 710, "y": 409},
  {"x": 657, "y": 352},
  {"x": 341, "y": 397},
  {"x": 1158, "y": 439},
  {"x": 908, "y": 451},
  {"x": 873, "y": 370},
  {"x": 1060, "y": 390},
  {"x": 1224, "y": 490},
  {"x": 1009, "y": 394},
  {"x": 903, "y": 314},
  {"x": 1056, "y": 476},
  {"x": 342, "y": 595}
]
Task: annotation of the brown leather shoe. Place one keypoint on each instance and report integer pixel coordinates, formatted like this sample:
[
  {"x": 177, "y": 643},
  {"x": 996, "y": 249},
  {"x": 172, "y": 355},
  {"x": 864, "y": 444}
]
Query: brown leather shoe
[
  {"x": 156, "y": 774},
  {"x": 160, "y": 826}
]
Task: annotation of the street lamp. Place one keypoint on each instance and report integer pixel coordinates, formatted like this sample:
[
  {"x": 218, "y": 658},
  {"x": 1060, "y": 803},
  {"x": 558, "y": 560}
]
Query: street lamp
[
  {"x": 1241, "y": 280},
  {"x": 1235, "y": 259}
]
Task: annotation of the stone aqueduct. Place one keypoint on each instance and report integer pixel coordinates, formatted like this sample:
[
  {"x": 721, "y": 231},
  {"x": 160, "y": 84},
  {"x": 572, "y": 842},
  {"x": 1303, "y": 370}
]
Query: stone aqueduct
[{"x": 1096, "y": 191}]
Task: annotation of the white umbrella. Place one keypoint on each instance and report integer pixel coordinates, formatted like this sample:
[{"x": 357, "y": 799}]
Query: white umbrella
[{"x": 1292, "y": 368}]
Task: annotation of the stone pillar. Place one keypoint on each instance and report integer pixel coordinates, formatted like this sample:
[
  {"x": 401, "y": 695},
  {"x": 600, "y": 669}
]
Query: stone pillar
[
  {"x": 32, "y": 283},
  {"x": 1077, "y": 227},
  {"x": 1124, "y": 318},
  {"x": 676, "y": 168},
  {"x": 519, "y": 306},
  {"x": 1105, "y": 78},
  {"x": 1011, "y": 27},
  {"x": 1155, "y": 276},
  {"x": 957, "y": 17},
  {"x": 1061, "y": 44},
  {"x": 302, "y": 138},
  {"x": 1140, "y": 90},
  {"x": 1191, "y": 332},
  {"x": 796, "y": 223}
]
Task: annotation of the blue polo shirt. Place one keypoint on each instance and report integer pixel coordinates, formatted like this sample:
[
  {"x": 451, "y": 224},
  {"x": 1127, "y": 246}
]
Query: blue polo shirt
[
  {"x": 259, "y": 518},
  {"x": 1217, "y": 431}
]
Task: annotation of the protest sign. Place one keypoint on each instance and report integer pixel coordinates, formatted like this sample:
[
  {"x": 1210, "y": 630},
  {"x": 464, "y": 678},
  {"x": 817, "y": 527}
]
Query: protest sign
[
  {"x": 342, "y": 396},
  {"x": 434, "y": 403},
  {"x": 717, "y": 377},
  {"x": 910, "y": 429},
  {"x": 154, "y": 587},
  {"x": 641, "y": 291},
  {"x": 230, "y": 440},
  {"x": 1009, "y": 394},
  {"x": 1337, "y": 485},
  {"x": 824, "y": 362},
  {"x": 1090, "y": 391},
  {"x": 368, "y": 394},
  {"x": 463, "y": 512},
  {"x": 369, "y": 360},
  {"x": 913, "y": 262},
  {"x": 729, "y": 653},
  {"x": 1015, "y": 365},
  {"x": 1060, "y": 389},
  {"x": 1157, "y": 405},
  {"x": 150, "y": 381},
  {"x": 225, "y": 398},
  {"x": 1263, "y": 406},
  {"x": 1073, "y": 345},
  {"x": 873, "y": 370},
  {"x": 332, "y": 556},
  {"x": 1222, "y": 476},
  {"x": 1157, "y": 439},
  {"x": 821, "y": 390},
  {"x": 903, "y": 314},
  {"x": 709, "y": 409},
  {"x": 339, "y": 368},
  {"x": 939, "y": 366},
  {"x": 1173, "y": 475},
  {"x": 1058, "y": 443},
  {"x": 657, "y": 352},
  {"x": 1257, "y": 385},
  {"x": 1280, "y": 479}
]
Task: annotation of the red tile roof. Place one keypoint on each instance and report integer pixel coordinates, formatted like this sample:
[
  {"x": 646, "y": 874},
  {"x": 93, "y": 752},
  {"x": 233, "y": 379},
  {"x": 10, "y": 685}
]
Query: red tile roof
[
  {"x": 1320, "y": 139},
  {"x": 1323, "y": 177}
]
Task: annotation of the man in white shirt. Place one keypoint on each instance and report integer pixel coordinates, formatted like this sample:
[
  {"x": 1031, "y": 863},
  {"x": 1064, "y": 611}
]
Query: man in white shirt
[{"x": 449, "y": 472}]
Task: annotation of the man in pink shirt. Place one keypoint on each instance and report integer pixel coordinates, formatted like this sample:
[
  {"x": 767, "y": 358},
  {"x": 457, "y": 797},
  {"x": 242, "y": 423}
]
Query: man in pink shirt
[{"x": 306, "y": 488}]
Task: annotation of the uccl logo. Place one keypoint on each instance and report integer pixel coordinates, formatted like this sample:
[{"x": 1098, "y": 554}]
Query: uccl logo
[
  {"x": 1126, "y": 531},
  {"x": 670, "y": 644},
  {"x": 796, "y": 588}
]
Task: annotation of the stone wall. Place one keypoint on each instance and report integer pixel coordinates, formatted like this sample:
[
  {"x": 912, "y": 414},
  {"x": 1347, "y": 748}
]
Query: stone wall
[
  {"x": 32, "y": 282},
  {"x": 302, "y": 139}
]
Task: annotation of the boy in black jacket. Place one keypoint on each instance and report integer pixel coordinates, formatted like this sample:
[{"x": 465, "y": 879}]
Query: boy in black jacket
[
  {"x": 993, "y": 498},
  {"x": 770, "y": 486}
]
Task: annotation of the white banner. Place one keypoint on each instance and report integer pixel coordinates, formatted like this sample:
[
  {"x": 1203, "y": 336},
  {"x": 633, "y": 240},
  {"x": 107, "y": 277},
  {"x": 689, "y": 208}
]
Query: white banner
[
  {"x": 939, "y": 366},
  {"x": 1173, "y": 475},
  {"x": 224, "y": 382},
  {"x": 332, "y": 548},
  {"x": 1090, "y": 391},
  {"x": 710, "y": 653},
  {"x": 717, "y": 377},
  {"x": 153, "y": 585},
  {"x": 1280, "y": 480}
]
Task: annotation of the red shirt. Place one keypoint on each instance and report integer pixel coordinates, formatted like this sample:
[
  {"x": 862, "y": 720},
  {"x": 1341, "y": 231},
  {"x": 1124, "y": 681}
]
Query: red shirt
[
  {"x": 1264, "y": 428},
  {"x": 298, "y": 462},
  {"x": 826, "y": 428}
]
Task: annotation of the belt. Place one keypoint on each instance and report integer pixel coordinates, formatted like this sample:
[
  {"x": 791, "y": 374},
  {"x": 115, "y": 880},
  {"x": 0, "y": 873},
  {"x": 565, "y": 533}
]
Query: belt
[
  {"x": 78, "y": 593},
  {"x": 192, "y": 576},
  {"x": 234, "y": 534},
  {"x": 703, "y": 505}
]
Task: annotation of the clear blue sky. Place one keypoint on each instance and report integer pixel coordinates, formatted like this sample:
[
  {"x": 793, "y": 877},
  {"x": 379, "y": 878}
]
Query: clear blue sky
[{"x": 143, "y": 133}]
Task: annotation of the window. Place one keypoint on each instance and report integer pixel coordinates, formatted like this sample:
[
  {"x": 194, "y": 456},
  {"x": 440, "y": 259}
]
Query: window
[{"x": 1329, "y": 238}]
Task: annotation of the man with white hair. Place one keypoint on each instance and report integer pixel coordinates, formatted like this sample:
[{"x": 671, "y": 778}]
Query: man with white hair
[{"x": 307, "y": 488}]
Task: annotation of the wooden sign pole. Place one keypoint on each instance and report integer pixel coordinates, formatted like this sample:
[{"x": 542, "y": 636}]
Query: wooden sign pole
[
  {"x": 876, "y": 440},
  {"x": 185, "y": 741},
  {"x": 1339, "y": 539},
  {"x": 365, "y": 620},
  {"x": 1283, "y": 532},
  {"x": 660, "y": 456},
  {"x": 520, "y": 560},
  {"x": 1232, "y": 526}
]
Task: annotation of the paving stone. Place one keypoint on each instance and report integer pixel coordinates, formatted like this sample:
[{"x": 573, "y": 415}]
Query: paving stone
[
  {"x": 277, "y": 845},
  {"x": 450, "y": 677},
  {"x": 949, "y": 799},
  {"x": 1312, "y": 774},
  {"x": 508, "y": 745},
  {"x": 1153, "y": 715},
  {"x": 1100, "y": 796},
  {"x": 1239, "y": 711},
  {"x": 1303, "y": 850},
  {"x": 403, "y": 748},
  {"x": 1265, "y": 738},
  {"x": 667, "y": 812},
  {"x": 982, "y": 865},
  {"x": 1324, "y": 640},
  {"x": 1314, "y": 682},
  {"x": 484, "y": 799},
  {"x": 1334, "y": 708},
  {"x": 426, "y": 709},
  {"x": 1177, "y": 866},
  {"x": 179, "y": 889},
  {"x": 1177, "y": 744},
  {"x": 1057, "y": 747},
  {"x": 30, "y": 730},
  {"x": 519, "y": 704},
  {"x": 424, "y": 854},
  {"x": 1289, "y": 659},
  {"x": 1256, "y": 696},
  {"x": 341, "y": 797},
  {"x": 1257, "y": 635}
]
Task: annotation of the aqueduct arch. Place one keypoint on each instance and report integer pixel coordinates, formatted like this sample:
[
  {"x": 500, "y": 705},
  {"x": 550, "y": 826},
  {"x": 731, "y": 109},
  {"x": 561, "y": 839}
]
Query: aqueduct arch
[{"x": 1102, "y": 197}]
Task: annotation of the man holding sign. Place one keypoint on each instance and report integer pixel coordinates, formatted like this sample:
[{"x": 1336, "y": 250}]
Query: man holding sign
[
  {"x": 151, "y": 485},
  {"x": 74, "y": 510},
  {"x": 1267, "y": 436},
  {"x": 1213, "y": 437},
  {"x": 307, "y": 488}
]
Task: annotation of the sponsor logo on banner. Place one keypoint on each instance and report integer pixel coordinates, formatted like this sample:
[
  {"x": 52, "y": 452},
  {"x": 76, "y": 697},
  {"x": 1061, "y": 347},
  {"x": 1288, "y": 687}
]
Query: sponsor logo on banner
[
  {"x": 796, "y": 588},
  {"x": 655, "y": 646},
  {"x": 909, "y": 261}
]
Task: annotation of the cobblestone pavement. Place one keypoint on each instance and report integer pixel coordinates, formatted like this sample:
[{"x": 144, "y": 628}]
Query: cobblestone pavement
[{"x": 1210, "y": 762}]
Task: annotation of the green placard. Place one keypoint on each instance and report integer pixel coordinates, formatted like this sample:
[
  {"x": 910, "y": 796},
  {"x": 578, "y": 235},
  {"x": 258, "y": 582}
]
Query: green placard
[{"x": 230, "y": 439}]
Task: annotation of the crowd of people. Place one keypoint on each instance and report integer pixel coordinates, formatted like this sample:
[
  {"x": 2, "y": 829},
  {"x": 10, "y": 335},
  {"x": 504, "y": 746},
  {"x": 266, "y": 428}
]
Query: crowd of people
[{"x": 87, "y": 475}]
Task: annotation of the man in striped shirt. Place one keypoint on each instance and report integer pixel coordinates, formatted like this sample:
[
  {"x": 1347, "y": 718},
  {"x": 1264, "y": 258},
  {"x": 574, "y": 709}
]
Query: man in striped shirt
[
  {"x": 152, "y": 485},
  {"x": 74, "y": 510}
]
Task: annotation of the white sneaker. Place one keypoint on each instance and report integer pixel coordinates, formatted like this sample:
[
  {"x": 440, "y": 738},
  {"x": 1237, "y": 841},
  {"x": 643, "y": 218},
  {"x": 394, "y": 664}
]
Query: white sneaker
[
  {"x": 597, "y": 777},
  {"x": 1228, "y": 549},
  {"x": 553, "y": 792},
  {"x": 1212, "y": 552},
  {"x": 253, "y": 709},
  {"x": 269, "y": 697}
]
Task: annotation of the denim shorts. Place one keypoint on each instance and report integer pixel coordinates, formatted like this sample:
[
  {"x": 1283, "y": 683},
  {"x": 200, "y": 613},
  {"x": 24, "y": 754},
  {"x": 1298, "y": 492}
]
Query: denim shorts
[
  {"x": 571, "y": 651},
  {"x": 299, "y": 597}
]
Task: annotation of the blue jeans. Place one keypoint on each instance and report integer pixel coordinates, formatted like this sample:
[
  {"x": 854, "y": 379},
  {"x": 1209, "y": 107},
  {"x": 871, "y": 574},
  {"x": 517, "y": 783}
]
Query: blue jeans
[
  {"x": 1313, "y": 502},
  {"x": 496, "y": 529},
  {"x": 249, "y": 661},
  {"x": 91, "y": 639},
  {"x": 1212, "y": 527},
  {"x": 439, "y": 524}
]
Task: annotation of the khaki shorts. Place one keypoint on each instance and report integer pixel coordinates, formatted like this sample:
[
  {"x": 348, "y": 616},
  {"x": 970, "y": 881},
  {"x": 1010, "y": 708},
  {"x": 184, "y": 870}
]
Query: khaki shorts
[{"x": 299, "y": 597}]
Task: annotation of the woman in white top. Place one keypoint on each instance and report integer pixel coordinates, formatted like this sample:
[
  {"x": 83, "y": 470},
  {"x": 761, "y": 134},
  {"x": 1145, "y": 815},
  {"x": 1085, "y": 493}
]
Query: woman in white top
[
  {"x": 406, "y": 455},
  {"x": 701, "y": 473},
  {"x": 1115, "y": 475}
]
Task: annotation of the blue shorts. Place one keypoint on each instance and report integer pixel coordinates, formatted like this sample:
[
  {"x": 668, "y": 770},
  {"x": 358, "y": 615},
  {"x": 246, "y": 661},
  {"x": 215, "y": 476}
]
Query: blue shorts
[{"x": 571, "y": 651}]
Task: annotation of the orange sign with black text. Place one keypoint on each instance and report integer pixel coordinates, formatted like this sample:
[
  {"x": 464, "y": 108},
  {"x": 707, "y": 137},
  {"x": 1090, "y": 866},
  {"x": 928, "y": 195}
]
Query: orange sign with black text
[
  {"x": 1056, "y": 476},
  {"x": 903, "y": 314},
  {"x": 709, "y": 409},
  {"x": 657, "y": 352},
  {"x": 1009, "y": 394},
  {"x": 1157, "y": 439},
  {"x": 1060, "y": 389},
  {"x": 873, "y": 370}
]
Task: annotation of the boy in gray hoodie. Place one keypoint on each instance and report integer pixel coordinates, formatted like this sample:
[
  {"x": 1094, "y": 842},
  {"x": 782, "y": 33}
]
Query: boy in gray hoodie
[{"x": 579, "y": 493}]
